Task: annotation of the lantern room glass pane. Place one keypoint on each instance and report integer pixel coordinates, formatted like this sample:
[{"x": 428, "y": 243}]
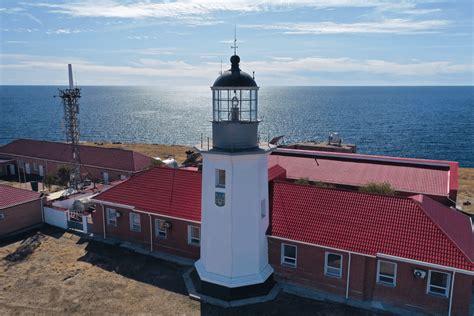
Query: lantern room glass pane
[{"x": 234, "y": 105}]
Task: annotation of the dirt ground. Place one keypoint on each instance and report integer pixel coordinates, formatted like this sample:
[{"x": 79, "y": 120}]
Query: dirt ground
[
  {"x": 55, "y": 272},
  {"x": 466, "y": 188},
  {"x": 152, "y": 150}
]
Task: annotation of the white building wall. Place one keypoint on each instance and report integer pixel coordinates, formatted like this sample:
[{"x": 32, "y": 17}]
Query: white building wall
[
  {"x": 234, "y": 248},
  {"x": 55, "y": 217}
]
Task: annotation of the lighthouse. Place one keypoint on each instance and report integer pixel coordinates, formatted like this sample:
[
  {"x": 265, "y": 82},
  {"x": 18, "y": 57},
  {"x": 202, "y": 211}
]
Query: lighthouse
[{"x": 234, "y": 220}]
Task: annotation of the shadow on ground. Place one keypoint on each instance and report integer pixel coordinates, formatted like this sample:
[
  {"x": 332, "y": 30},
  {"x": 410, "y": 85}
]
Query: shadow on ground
[
  {"x": 287, "y": 304},
  {"x": 156, "y": 272}
]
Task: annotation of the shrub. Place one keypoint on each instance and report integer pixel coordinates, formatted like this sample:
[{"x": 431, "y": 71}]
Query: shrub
[
  {"x": 302, "y": 181},
  {"x": 378, "y": 188},
  {"x": 64, "y": 176}
]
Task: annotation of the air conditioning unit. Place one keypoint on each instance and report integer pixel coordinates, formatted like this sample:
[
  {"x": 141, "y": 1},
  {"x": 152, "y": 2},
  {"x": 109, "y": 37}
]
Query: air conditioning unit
[
  {"x": 168, "y": 225},
  {"x": 419, "y": 274},
  {"x": 118, "y": 214}
]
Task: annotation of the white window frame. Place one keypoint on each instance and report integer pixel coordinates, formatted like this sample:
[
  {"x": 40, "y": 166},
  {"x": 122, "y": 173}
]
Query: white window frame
[
  {"x": 193, "y": 240},
  {"x": 160, "y": 233},
  {"x": 286, "y": 260},
  {"x": 111, "y": 221},
  {"x": 327, "y": 269},
  {"x": 429, "y": 285},
  {"x": 133, "y": 226},
  {"x": 218, "y": 178},
  {"x": 394, "y": 282}
]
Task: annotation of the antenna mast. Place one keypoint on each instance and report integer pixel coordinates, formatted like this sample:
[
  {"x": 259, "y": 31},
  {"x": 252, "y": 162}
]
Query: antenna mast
[{"x": 70, "y": 99}]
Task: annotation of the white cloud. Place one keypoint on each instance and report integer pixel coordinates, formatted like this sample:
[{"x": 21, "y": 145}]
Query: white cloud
[
  {"x": 394, "y": 26},
  {"x": 179, "y": 71},
  {"x": 64, "y": 31},
  {"x": 189, "y": 8}
]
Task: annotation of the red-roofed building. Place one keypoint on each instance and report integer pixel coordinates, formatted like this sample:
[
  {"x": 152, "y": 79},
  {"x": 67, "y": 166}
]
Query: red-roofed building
[
  {"x": 400, "y": 253},
  {"x": 436, "y": 179},
  {"x": 160, "y": 208},
  {"x": 19, "y": 209},
  {"x": 39, "y": 158}
]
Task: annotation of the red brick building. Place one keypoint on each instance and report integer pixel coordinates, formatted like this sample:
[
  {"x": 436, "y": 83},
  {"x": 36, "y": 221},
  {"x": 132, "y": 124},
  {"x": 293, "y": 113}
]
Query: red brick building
[
  {"x": 19, "y": 209},
  {"x": 404, "y": 253},
  {"x": 39, "y": 158}
]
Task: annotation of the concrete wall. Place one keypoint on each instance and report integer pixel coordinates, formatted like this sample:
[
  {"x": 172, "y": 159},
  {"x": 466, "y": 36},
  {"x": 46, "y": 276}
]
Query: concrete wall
[
  {"x": 409, "y": 292},
  {"x": 55, "y": 217},
  {"x": 176, "y": 242},
  {"x": 20, "y": 217}
]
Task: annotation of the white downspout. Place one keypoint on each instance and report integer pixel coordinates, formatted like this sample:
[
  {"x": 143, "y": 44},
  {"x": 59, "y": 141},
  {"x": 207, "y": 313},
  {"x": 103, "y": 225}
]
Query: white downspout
[
  {"x": 151, "y": 234},
  {"x": 451, "y": 294},
  {"x": 103, "y": 220},
  {"x": 348, "y": 275}
]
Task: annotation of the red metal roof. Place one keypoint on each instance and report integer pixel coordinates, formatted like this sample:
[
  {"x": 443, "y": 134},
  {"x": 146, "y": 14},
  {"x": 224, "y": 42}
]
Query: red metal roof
[
  {"x": 368, "y": 224},
  {"x": 161, "y": 190},
  {"x": 10, "y": 196},
  {"x": 405, "y": 175},
  {"x": 108, "y": 158},
  {"x": 276, "y": 172}
]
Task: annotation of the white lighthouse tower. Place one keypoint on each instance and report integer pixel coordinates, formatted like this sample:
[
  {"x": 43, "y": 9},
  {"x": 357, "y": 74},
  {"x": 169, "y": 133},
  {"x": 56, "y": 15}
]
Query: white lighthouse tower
[{"x": 234, "y": 252}]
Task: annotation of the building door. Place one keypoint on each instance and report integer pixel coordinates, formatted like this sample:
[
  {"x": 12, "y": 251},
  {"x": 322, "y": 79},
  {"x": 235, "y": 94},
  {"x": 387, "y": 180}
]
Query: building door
[
  {"x": 41, "y": 171},
  {"x": 27, "y": 168},
  {"x": 12, "y": 169},
  {"x": 106, "y": 177}
]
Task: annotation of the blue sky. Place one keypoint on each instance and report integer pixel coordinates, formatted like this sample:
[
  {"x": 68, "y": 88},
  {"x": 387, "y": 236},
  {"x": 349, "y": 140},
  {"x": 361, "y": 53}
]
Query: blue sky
[{"x": 300, "y": 42}]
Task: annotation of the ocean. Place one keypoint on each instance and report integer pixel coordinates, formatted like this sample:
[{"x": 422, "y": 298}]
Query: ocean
[{"x": 419, "y": 122}]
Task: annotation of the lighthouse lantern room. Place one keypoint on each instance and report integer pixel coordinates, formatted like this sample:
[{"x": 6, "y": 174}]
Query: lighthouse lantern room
[{"x": 234, "y": 220}]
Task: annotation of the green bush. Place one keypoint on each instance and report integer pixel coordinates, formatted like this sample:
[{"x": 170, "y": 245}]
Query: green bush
[{"x": 378, "y": 188}]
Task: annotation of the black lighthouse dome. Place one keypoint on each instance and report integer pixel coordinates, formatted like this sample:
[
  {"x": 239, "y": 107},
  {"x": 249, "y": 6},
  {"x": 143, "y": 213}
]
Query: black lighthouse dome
[{"x": 234, "y": 77}]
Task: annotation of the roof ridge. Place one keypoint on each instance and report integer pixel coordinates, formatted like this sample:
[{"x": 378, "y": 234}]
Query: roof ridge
[{"x": 456, "y": 246}]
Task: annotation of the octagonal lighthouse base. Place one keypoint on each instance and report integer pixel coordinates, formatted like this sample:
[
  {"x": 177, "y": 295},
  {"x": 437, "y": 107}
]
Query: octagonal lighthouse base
[{"x": 233, "y": 288}]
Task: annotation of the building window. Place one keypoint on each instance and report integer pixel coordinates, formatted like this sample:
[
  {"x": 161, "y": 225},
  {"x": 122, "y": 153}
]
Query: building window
[
  {"x": 2, "y": 216},
  {"x": 220, "y": 178},
  {"x": 194, "y": 235},
  {"x": 438, "y": 283},
  {"x": 111, "y": 217},
  {"x": 263, "y": 208},
  {"x": 386, "y": 273},
  {"x": 135, "y": 222},
  {"x": 123, "y": 177},
  {"x": 288, "y": 255},
  {"x": 160, "y": 229},
  {"x": 333, "y": 265}
]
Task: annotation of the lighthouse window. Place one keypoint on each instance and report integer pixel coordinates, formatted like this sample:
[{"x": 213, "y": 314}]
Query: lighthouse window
[
  {"x": 288, "y": 255},
  {"x": 220, "y": 178},
  {"x": 263, "y": 208},
  {"x": 194, "y": 235}
]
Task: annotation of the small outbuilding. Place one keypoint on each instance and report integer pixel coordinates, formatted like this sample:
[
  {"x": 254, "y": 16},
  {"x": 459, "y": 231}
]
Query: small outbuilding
[{"x": 19, "y": 210}]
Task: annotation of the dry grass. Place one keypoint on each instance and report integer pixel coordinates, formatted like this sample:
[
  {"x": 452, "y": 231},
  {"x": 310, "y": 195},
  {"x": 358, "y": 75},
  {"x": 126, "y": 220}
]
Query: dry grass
[
  {"x": 466, "y": 188},
  {"x": 52, "y": 272},
  {"x": 152, "y": 150}
]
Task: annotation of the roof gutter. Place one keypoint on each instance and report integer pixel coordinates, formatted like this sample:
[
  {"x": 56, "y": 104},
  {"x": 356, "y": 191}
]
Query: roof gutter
[{"x": 143, "y": 212}]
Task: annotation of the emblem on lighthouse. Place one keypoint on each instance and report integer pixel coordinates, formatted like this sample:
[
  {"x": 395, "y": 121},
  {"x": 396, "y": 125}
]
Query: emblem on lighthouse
[{"x": 220, "y": 198}]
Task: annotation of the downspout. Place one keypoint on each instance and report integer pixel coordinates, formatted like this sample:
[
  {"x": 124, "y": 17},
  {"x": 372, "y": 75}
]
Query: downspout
[
  {"x": 348, "y": 276},
  {"x": 151, "y": 234},
  {"x": 42, "y": 209},
  {"x": 451, "y": 294},
  {"x": 103, "y": 220}
]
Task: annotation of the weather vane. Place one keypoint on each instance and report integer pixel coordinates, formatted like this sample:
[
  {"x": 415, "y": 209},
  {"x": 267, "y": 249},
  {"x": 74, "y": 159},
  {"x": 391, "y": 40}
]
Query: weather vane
[{"x": 235, "y": 41}]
